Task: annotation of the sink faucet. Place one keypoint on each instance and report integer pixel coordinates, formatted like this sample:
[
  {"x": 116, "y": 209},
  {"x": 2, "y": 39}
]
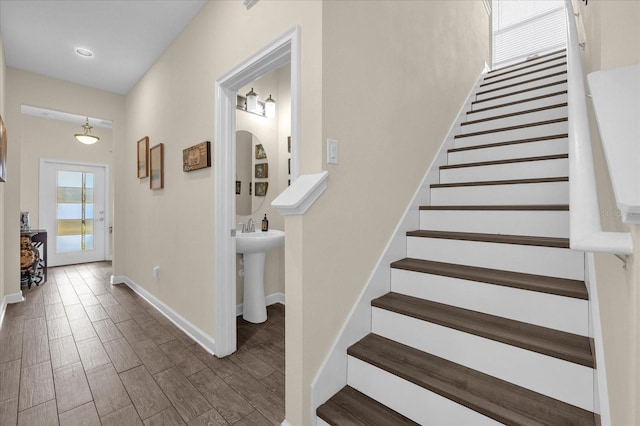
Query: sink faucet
[{"x": 251, "y": 226}]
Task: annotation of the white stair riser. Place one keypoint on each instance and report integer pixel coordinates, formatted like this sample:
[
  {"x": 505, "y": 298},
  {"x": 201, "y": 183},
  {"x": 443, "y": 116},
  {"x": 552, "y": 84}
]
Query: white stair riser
[
  {"x": 522, "y": 106},
  {"x": 546, "y": 310},
  {"x": 542, "y": 130},
  {"x": 520, "y": 77},
  {"x": 420, "y": 405},
  {"x": 523, "y": 170},
  {"x": 490, "y": 93},
  {"x": 547, "y": 261},
  {"x": 511, "y": 222},
  {"x": 517, "y": 69},
  {"x": 516, "y": 120},
  {"x": 495, "y": 195},
  {"x": 486, "y": 103},
  {"x": 508, "y": 152},
  {"x": 556, "y": 378}
]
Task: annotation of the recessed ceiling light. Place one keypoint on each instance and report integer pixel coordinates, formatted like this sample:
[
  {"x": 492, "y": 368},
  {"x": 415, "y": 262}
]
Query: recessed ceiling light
[{"x": 84, "y": 52}]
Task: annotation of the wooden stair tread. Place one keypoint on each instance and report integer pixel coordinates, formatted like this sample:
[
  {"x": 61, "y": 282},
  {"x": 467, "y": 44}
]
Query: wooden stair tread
[
  {"x": 497, "y": 74},
  {"x": 535, "y": 98},
  {"x": 531, "y": 80},
  {"x": 528, "y": 61},
  {"x": 495, "y": 398},
  {"x": 539, "y": 283},
  {"x": 547, "y": 341},
  {"x": 501, "y": 182},
  {"x": 517, "y": 92},
  {"x": 514, "y": 142},
  {"x": 514, "y": 114},
  {"x": 351, "y": 407},
  {"x": 519, "y": 207},
  {"x": 524, "y": 240},
  {"x": 496, "y": 79},
  {"x": 508, "y": 161},
  {"x": 506, "y": 129}
]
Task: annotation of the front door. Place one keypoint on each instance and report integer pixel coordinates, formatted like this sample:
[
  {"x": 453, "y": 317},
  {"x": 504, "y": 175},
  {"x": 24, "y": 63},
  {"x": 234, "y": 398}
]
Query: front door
[{"x": 72, "y": 210}]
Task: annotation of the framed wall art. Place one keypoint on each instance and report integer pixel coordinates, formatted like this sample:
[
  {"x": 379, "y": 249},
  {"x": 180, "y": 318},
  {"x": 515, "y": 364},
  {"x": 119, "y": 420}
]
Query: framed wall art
[
  {"x": 196, "y": 157},
  {"x": 143, "y": 157},
  {"x": 261, "y": 154},
  {"x": 156, "y": 167},
  {"x": 3, "y": 151},
  {"x": 262, "y": 171},
  {"x": 261, "y": 188}
]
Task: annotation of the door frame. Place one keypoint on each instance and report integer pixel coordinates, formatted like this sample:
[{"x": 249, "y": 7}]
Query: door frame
[
  {"x": 281, "y": 51},
  {"x": 107, "y": 195}
]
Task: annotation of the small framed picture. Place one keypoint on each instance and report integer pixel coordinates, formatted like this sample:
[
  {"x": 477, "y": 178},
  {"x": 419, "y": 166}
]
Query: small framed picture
[
  {"x": 261, "y": 188},
  {"x": 143, "y": 157},
  {"x": 156, "y": 165},
  {"x": 260, "y": 152},
  {"x": 262, "y": 171},
  {"x": 196, "y": 157}
]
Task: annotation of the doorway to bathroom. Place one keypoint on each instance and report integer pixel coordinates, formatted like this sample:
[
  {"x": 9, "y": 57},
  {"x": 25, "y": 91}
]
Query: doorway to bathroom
[{"x": 279, "y": 53}]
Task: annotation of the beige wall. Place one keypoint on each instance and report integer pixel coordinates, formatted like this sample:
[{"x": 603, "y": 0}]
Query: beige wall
[
  {"x": 44, "y": 138},
  {"x": 25, "y": 88},
  {"x": 395, "y": 74},
  {"x": 612, "y": 34},
  {"x": 173, "y": 104}
]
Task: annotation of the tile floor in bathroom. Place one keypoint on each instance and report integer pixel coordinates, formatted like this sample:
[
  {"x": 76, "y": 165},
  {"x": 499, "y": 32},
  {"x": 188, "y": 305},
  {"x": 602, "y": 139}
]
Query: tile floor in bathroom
[{"x": 80, "y": 351}]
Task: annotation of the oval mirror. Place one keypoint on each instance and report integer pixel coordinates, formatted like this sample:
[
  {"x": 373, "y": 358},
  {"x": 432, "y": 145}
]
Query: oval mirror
[{"x": 252, "y": 173}]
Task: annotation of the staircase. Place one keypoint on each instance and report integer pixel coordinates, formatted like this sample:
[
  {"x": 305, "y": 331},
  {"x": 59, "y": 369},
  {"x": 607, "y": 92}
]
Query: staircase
[{"x": 487, "y": 321}]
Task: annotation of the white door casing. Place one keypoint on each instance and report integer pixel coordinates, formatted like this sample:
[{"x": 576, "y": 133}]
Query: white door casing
[{"x": 71, "y": 249}]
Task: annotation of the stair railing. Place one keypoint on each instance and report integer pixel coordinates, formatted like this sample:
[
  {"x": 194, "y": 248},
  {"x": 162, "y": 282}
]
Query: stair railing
[{"x": 586, "y": 232}]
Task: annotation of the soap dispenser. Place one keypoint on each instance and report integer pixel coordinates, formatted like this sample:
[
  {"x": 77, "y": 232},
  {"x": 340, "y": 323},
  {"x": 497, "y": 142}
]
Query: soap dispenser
[{"x": 265, "y": 223}]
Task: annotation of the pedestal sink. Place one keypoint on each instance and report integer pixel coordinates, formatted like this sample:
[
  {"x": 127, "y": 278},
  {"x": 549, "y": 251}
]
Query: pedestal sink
[{"x": 254, "y": 247}]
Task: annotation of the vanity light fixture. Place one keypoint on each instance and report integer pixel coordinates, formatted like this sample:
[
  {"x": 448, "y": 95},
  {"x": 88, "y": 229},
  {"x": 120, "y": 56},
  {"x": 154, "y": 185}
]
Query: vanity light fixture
[
  {"x": 269, "y": 107},
  {"x": 252, "y": 101},
  {"x": 86, "y": 137}
]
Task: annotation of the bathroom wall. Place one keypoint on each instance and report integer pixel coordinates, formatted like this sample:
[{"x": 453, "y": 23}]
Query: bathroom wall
[{"x": 272, "y": 134}]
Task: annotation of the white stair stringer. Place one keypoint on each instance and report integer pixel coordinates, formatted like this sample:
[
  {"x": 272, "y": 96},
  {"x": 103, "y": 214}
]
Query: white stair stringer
[
  {"x": 562, "y": 313},
  {"x": 490, "y": 152},
  {"x": 539, "y": 168},
  {"x": 544, "y": 223},
  {"x": 559, "y": 379},
  {"x": 547, "y": 261},
  {"x": 415, "y": 402}
]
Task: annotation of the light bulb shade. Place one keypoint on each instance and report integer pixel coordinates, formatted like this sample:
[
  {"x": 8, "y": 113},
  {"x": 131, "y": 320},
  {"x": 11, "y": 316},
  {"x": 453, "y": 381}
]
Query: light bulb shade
[
  {"x": 86, "y": 137},
  {"x": 252, "y": 101},
  {"x": 269, "y": 107}
]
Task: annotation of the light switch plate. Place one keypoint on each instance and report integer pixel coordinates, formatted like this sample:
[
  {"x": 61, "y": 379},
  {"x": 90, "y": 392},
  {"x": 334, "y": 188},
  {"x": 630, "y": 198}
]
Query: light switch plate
[{"x": 332, "y": 151}]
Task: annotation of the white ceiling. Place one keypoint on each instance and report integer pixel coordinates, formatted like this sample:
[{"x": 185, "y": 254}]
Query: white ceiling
[{"x": 125, "y": 36}]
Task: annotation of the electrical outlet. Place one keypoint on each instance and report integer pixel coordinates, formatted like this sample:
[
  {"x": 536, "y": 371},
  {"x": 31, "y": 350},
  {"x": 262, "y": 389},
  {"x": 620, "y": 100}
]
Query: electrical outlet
[
  {"x": 156, "y": 272},
  {"x": 332, "y": 151}
]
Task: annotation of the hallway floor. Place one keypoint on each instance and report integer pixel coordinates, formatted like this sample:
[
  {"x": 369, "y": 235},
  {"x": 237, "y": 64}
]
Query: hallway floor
[{"x": 80, "y": 351}]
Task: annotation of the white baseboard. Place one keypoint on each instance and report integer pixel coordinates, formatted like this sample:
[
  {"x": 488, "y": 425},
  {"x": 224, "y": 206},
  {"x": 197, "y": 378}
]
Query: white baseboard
[
  {"x": 9, "y": 298},
  {"x": 199, "y": 336},
  {"x": 271, "y": 299},
  {"x": 285, "y": 423}
]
